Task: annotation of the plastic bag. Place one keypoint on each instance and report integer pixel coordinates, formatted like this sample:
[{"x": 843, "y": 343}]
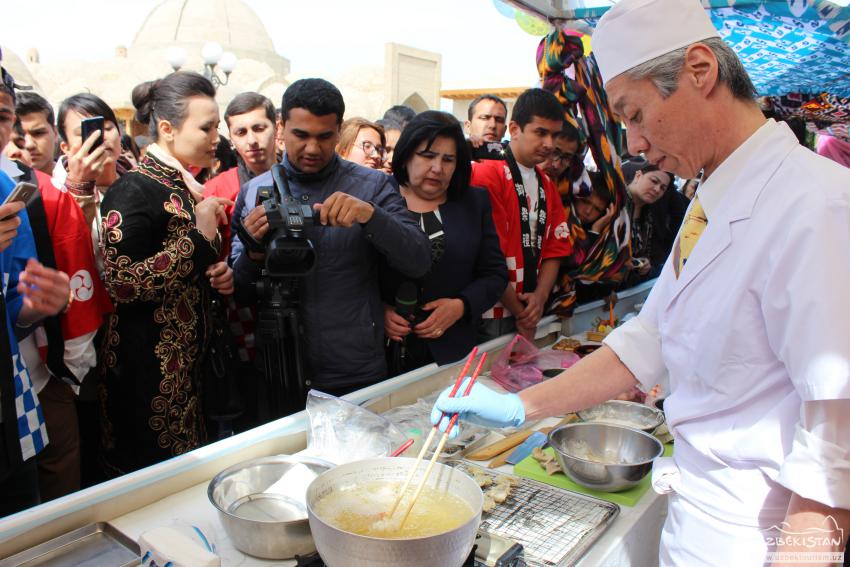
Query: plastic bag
[
  {"x": 342, "y": 432},
  {"x": 414, "y": 421},
  {"x": 521, "y": 364}
]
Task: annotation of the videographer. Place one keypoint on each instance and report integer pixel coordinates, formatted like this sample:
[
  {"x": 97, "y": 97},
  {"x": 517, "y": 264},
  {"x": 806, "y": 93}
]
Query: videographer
[
  {"x": 360, "y": 217},
  {"x": 487, "y": 120}
]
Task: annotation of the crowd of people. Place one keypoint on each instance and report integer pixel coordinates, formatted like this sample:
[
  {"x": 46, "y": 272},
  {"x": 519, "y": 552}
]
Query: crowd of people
[{"x": 424, "y": 244}]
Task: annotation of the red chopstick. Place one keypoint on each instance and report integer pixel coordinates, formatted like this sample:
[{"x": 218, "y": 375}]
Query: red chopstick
[
  {"x": 462, "y": 375},
  {"x": 402, "y": 449},
  {"x": 468, "y": 389},
  {"x": 463, "y": 371}
]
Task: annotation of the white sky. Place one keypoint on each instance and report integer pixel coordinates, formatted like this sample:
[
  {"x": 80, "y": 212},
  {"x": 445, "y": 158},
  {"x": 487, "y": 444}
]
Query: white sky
[{"x": 480, "y": 47}]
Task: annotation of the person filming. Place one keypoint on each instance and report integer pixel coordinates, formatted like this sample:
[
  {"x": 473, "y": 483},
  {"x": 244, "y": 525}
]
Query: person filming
[{"x": 359, "y": 217}]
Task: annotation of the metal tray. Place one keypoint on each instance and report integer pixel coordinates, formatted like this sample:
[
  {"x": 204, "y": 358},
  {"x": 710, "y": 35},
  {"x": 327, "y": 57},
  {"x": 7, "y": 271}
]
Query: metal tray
[
  {"x": 555, "y": 526},
  {"x": 95, "y": 545}
]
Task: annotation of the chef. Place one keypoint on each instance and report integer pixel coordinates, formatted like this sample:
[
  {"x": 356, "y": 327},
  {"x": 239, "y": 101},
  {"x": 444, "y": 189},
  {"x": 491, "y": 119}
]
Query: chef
[{"x": 747, "y": 329}]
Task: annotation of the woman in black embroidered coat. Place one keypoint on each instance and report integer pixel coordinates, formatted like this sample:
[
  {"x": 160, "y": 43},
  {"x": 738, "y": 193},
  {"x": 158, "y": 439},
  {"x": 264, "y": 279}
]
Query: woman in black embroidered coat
[{"x": 159, "y": 242}]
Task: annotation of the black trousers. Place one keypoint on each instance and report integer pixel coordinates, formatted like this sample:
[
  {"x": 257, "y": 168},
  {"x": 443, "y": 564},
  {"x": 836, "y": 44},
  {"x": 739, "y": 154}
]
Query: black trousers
[{"x": 18, "y": 483}]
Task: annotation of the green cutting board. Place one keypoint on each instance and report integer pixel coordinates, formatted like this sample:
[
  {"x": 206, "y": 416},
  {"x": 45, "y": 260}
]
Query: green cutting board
[{"x": 529, "y": 468}]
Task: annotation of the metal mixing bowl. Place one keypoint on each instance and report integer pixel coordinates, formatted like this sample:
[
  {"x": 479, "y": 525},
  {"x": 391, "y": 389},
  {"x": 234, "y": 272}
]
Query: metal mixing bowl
[
  {"x": 339, "y": 548},
  {"x": 631, "y": 449},
  {"x": 628, "y": 414},
  {"x": 266, "y": 525}
]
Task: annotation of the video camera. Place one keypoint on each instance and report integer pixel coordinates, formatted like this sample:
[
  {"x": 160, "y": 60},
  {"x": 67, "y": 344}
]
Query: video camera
[
  {"x": 289, "y": 252},
  {"x": 487, "y": 151}
]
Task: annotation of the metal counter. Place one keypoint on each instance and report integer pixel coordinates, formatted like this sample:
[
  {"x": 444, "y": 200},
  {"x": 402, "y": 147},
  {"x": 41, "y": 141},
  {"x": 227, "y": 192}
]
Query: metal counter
[{"x": 153, "y": 496}]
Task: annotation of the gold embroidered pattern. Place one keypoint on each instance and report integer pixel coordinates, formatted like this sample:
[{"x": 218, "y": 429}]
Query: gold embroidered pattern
[{"x": 166, "y": 280}]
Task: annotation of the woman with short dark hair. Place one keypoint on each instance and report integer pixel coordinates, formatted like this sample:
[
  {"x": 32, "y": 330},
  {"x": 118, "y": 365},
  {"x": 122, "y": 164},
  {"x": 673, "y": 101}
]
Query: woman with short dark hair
[
  {"x": 160, "y": 242},
  {"x": 468, "y": 271}
]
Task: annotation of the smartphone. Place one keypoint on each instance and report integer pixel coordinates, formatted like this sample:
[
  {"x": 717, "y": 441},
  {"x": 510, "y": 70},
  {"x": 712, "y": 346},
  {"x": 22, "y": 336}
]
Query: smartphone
[
  {"x": 88, "y": 126},
  {"x": 23, "y": 192}
]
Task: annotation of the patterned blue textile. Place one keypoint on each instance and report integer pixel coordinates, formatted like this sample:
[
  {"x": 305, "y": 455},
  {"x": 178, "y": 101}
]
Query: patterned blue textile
[{"x": 785, "y": 45}]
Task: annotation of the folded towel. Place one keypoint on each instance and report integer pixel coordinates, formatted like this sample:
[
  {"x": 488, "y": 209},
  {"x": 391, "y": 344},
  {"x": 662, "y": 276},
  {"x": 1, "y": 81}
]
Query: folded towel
[
  {"x": 293, "y": 484},
  {"x": 665, "y": 475}
]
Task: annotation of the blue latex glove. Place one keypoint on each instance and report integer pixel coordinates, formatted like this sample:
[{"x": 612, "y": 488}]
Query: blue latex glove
[{"x": 482, "y": 406}]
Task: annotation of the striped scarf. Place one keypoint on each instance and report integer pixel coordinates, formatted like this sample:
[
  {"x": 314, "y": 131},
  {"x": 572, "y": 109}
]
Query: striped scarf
[{"x": 606, "y": 259}]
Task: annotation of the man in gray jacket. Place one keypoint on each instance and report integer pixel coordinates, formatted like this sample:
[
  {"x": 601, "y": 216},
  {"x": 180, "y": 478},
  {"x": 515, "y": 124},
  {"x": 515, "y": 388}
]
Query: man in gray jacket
[{"x": 361, "y": 217}]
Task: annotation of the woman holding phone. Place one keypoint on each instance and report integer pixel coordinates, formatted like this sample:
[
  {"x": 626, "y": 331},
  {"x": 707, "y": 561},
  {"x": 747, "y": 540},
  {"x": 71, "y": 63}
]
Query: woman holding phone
[
  {"x": 160, "y": 242},
  {"x": 90, "y": 164}
]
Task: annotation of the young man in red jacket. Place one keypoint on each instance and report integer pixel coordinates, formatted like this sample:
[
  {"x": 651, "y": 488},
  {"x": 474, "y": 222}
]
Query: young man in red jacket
[
  {"x": 250, "y": 118},
  {"x": 251, "y": 122},
  {"x": 527, "y": 213}
]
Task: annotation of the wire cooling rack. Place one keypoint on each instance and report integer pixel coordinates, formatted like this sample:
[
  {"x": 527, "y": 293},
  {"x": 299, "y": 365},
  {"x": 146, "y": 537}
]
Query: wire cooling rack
[{"x": 554, "y": 526}]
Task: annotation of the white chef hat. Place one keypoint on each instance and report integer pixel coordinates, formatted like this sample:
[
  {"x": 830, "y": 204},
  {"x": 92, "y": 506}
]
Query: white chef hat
[{"x": 636, "y": 31}]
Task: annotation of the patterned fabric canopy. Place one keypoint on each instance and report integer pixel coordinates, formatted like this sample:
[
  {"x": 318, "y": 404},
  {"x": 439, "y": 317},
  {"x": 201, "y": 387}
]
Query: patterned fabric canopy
[{"x": 786, "y": 45}]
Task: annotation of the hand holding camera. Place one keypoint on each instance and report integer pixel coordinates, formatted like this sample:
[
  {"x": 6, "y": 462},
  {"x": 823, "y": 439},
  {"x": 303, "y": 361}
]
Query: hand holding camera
[
  {"x": 641, "y": 265},
  {"x": 257, "y": 223},
  {"x": 88, "y": 160},
  {"x": 342, "y": 209}
]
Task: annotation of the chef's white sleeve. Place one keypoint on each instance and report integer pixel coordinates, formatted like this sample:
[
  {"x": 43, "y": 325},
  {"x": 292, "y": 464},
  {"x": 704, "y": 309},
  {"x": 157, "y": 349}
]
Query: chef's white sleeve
[
  {"x": 806, "y": 300},
  {"x": 805, "y": 306},
  {"x": 818, "y": 466},
  {"x": 637, "y": 342}
]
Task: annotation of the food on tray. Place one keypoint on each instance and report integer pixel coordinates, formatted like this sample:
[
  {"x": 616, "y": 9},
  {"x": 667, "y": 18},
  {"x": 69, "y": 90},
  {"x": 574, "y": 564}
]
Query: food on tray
[
  {"x": 566, "y": 344},
  {"x": 482, "y": 479},
  {"x": 498, "y": 488},
  {"x": 602, "y": 327},
  {"x": 355, "y": 509},
  {"x": 547, "y": 461}
]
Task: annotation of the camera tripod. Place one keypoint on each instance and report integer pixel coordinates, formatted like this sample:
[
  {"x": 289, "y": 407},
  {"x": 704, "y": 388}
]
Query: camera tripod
[{"x": 279, "y": 346}]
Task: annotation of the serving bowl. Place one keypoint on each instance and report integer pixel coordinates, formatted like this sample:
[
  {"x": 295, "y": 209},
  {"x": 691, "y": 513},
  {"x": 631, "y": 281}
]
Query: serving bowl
[
  {"x": 271, "y": 524},
  {"x": 604, "y": 457},
  {"x": 339, "y": 548},
  {"x": 627, "y": 414}
]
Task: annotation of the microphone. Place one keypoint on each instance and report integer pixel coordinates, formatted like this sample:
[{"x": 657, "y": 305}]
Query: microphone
[
  {"x": 406, "y": 303},
  {"x": 406, "y": 300}
]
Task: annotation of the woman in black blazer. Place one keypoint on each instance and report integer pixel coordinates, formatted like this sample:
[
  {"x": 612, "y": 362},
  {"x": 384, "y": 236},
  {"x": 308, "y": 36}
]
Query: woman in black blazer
[{"x": 468, "y": 271}]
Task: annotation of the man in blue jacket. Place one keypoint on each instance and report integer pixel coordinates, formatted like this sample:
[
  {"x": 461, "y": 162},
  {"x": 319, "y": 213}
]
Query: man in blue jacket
[{"x": 361, "y": 216}]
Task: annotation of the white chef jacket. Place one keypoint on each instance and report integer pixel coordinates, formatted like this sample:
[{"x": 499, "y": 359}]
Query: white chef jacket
[{"x": 752, "y": 341}]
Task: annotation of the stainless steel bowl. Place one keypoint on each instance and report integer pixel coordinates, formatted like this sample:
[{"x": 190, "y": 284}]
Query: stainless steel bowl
[
  {"x": 339, "y": 548},
  {"x": 580, "y": 446},
  {"x": 266, "y": 525},
  {"x": 628, "y": 414}
]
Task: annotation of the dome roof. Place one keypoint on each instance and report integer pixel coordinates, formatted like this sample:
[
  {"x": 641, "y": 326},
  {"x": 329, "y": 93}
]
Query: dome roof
[
  {"x": 228, "y": 22},
  {"x": 192, "y": 23},
  {"x": 19, "y": 70}
]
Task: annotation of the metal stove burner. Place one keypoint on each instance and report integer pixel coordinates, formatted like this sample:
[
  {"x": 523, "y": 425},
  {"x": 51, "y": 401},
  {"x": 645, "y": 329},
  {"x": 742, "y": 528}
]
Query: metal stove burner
[{"x": 313, "y": 560}]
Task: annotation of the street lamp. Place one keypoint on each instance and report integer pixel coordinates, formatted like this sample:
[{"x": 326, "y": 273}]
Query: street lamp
[{"x": 213, "y": 56}]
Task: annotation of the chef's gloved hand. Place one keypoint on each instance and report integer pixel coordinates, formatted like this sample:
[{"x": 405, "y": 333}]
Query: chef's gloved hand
[{"x": 482, "y": 406}]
